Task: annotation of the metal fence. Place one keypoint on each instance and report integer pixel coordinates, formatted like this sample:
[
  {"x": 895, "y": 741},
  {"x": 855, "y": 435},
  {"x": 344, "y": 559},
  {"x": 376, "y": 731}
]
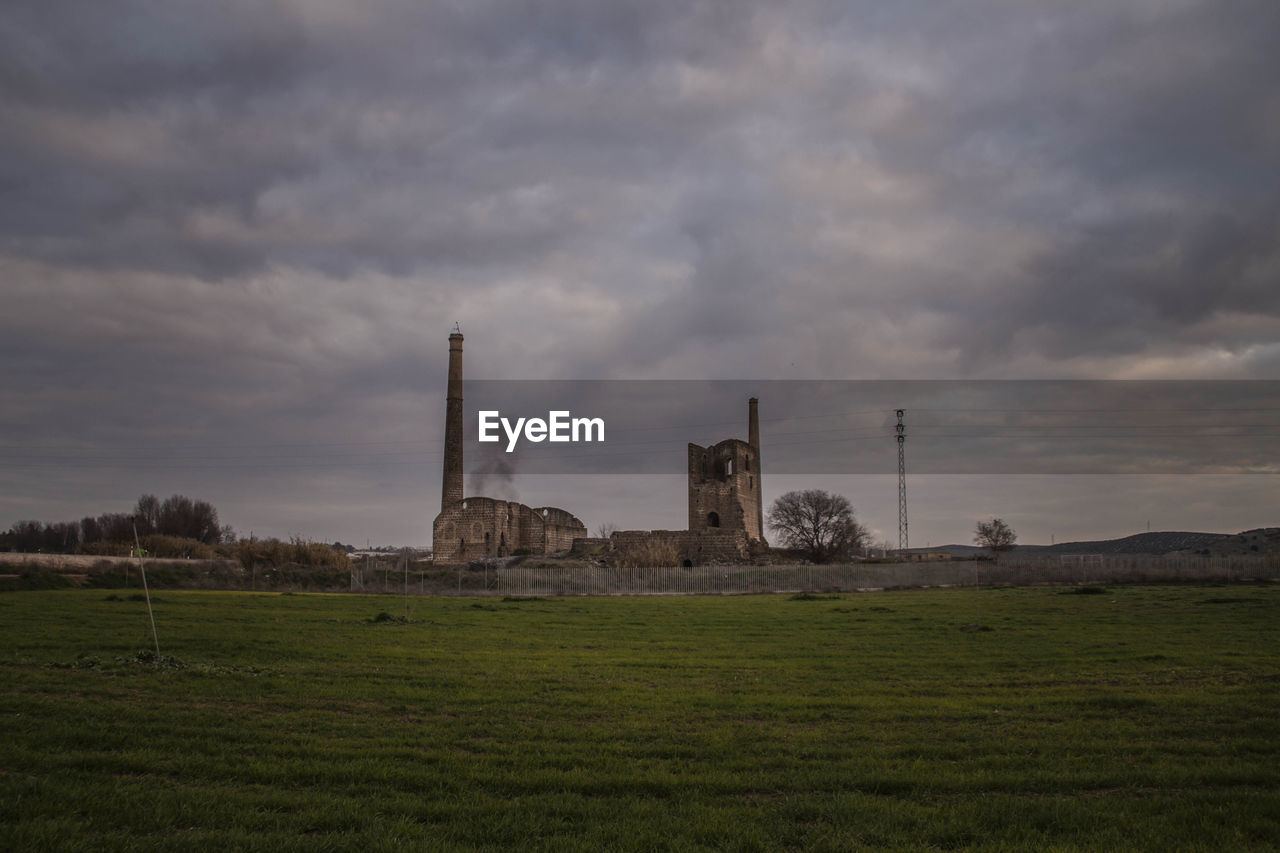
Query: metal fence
[{"x": 730, "y": 580}]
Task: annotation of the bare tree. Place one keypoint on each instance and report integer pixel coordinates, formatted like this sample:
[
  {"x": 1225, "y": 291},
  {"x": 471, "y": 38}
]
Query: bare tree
[
  {"x": 817, "y": 523},
  {"x": 995, "y": 535},
  {"x": 188, "y": 519},
  {"x": 605, "y": 529},
  {"x": 115, "y": 526},
  {"x": 147, "y": 513}
]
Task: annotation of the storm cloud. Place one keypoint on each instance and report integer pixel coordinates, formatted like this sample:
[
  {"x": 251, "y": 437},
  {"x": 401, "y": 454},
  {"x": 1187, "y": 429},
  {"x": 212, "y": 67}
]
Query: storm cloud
[{"x": 234, "y": 236}]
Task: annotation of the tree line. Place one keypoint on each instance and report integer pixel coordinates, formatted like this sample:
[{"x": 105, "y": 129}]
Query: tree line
[
  {"x": 177, "y": 516},
  {"x": 176, "y": 527}
]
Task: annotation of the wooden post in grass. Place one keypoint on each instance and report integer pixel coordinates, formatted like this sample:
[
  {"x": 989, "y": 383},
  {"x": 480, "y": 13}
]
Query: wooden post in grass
[{"x": 137, "y": 547}]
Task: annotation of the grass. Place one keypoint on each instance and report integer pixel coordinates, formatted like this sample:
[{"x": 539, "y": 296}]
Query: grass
[{"x": 1006, "y": 719}]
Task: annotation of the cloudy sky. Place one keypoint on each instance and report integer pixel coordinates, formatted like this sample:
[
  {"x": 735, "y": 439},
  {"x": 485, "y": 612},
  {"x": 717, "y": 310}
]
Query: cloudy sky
[{"x": 234, "y": 237}]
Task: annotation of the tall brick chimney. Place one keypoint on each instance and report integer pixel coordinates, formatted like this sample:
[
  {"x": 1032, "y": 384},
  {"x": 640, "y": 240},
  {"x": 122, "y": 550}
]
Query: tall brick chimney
[
  {"x": 753, "y": 423},
  {"x": 451, "y": 493},
  {"x": 753, "y": 439}
]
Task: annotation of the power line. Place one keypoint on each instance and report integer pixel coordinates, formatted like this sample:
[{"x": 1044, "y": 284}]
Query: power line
[
  {"x": 151, "y": 449},
  {"x": 926, "y": 430},
  {"x": 422, "y": 451},
  {"x": 602, "y": 450},
  {"x": 98, "y": 453}
]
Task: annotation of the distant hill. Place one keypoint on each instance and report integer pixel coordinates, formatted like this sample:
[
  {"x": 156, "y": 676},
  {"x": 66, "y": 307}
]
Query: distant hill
[
  {"x": 1262, "y": 540},
  {"x": 1163, "y": 542}
]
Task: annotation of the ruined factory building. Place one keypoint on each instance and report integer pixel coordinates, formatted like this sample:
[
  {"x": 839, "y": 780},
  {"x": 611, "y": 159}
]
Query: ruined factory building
[
  {"x": 726, "y": 515},
  {"x": 470, "y": 528},
  {"x": 726, "y": 521}
]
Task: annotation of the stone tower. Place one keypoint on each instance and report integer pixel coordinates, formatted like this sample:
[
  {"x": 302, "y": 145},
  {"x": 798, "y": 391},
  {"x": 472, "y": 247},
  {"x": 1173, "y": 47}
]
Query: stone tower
[
  {"x": 451, "y": 491},
  {"x": 724, "y": 483}
]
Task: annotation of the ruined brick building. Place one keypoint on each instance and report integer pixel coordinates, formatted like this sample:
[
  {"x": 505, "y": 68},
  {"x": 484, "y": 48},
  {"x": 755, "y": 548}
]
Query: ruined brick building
[
  {"x": 469, "y": 528},
  {"x": 726, "y": 511},
  {"x": 726, "y": 520}
]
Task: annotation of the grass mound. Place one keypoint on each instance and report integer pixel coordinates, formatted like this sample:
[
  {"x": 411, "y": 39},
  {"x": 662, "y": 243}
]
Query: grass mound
[{"x": 385, "y": 618}]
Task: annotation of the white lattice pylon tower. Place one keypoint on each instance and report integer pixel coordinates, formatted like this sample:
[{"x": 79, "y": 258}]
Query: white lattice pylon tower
[{"x": 902, "y": 484}]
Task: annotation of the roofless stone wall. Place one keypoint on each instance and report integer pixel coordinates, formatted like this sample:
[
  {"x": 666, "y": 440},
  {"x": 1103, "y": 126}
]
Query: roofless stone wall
[
  {"x": 487, "y": 527},
  {"x": 693, "y": 547}
]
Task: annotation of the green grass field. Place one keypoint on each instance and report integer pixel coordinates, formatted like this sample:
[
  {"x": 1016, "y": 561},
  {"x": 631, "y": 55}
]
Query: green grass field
[{"x": 1006, "y": 719}]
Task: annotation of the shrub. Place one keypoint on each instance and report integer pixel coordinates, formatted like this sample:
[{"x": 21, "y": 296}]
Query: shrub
[
  {"x": 105, "y": 548},
  {"x": 272, "y": 553},
  {"x": 647, "y": 555},
  {"x": 295, "y": 576},
  {"x": 36, "y": 579},
  {"x": 176, "y": 547},
  {"x": 203, "y": 574}
]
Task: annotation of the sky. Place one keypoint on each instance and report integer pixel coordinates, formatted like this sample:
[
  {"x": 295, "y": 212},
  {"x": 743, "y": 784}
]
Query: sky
[{"x": 235, "y": 236}]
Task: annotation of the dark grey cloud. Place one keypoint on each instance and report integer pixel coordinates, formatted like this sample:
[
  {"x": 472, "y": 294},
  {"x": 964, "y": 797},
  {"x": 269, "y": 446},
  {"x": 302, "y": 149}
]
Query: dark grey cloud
[
  {"x": 1026, "y": 427},
  {"x": 88, "y": 57},
  {"x": 216, "y": 141},
  {"x": 252, "y": 224}
]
